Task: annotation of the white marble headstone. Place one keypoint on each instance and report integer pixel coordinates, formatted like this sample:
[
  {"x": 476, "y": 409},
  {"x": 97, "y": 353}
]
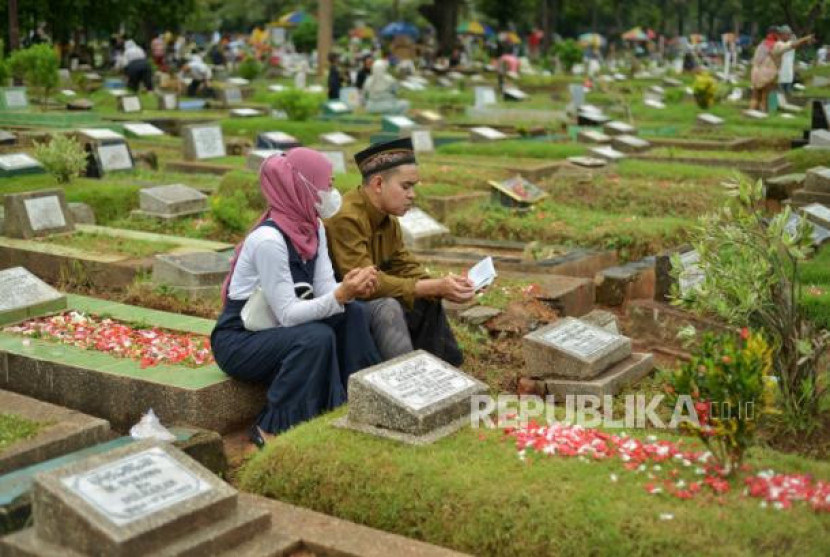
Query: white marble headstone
[
  {"x": 141, "y": 129},
  {"x": 101, "y": 134},
  {"x": 337, "y": 160},
  {"x": 28, "y": 290},
  {"x": 114, "y": 156},
  {"x": 207, "y": 142},
  {"x": 45, "y": 213},
  {"x": 486, "y": 133},
  {"x": 130, "y": 103},
  {"x": 416, "y": 224},
  {"x": 484, "y": 96},
  {"x": 18, "y": 161},
  {"x": 337, "y": 138},
  {"x": 422, "y": 141}
]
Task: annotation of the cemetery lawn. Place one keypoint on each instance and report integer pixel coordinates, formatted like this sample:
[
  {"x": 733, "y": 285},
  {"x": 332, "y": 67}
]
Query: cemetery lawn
[
  {"x": 471, "y": 492},
  {"x": 13, "y": 428},
  {"x": 511, "y": 148},
  {"x": 815, "y": 276},
  {"x": 105, "y": 244}
]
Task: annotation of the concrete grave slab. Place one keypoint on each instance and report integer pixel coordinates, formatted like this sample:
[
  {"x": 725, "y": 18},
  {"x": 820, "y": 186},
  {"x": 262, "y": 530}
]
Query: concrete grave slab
[
  {"x": 31, "y": 296},
  {"x": 94, "y": 135},
  {"x": 818, "y": 214},
  {"x": 277, "y": 140},
  {"x": 141, "y": 129},
  {"x": 516, "y": 192},
  {"x": 593, "y": 136},
  {"x": 416, "y": 398},
  {"x": 168, "y": 101},
  {"x": 428, "y": 117},
  {"x": 514, "y": 94},
  {"x": 420, "y": 230},
  {"x": 755, "y": 114},
  {"x": 109, "y": 157},
  {"x": 588, "y": 162},
  {"x": 484, "y": 96},
  {"x": 63, "y": 431},
  {"x": 203, "y": 141},
  {"x": 335, "y": 108},
  {"x": 337, "y": 160},
  {"x": 129, "y": 104},
  {"x": 37, "y": 213},
  {"x": 818, "y": 179},
  {"x": 627, "y": 371},
  {"x": 196, "y": 274},
  {"x": 820, "y": 233},
  {"x": 7, "y": 138},
  {"x": 15, "y": 164},
  {"x": 602, "y": 319},
  {"x": 339, "y": 139},
  {"x": 258, "y": 156},
  {"x": 572, "y": 349},
  {"x": 82, "y": 213},
  {"x": 820, "y": 139},
  {"x": 608, "y": 153},
  {"x": 397, "y": 124},
  {"x": 245, "y": 113},
  {"x": 630, "y": 144},
  {"x": 13, "y": 98},
  {"x": 707, "y": 119},
  {"x": 230, "y": 96},
  {"x": 170, "y": 202},
  {"x": 484, "y": 133},
  {"x": 422, "y": 141},
  {"x": 616, "y": 127}
]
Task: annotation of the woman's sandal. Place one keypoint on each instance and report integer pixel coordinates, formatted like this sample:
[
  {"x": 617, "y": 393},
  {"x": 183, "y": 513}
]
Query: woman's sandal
[{"x": 258, "y": 436}]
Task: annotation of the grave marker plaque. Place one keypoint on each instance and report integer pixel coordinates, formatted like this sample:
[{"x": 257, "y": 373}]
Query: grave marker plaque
[
  {"x": 608, "y": 153},
  {"x": 337, "y": 160},
  {"x": 396, "y": 124},
  {"x": 350, "y": 96},
  {"x": 173, "y": 201},
  {"x": 416, "y": 398},
  {"x": 26, "y": 296},
  {"x": 573, "y": 349},
  {"x": 245, "y": 113},
  {"x": 818, "y": 214},
  {"x": 141, "y": 129},
  {"x": 19, "y": 163},
  {"x": 588, "y": 162},
  {"x": 630, "y": 144},
  {"x": 691, "y": 274},
  {"x": 258, "y": 156},
  {"x": 277, "y": 140},
  {"x": 334, "y": 108},
  {"x": 420, "y": 229},
  {"x": 195, "y": 273},
  {"x": 514, "y": 94},
  {"x": 100, "y": 134},
  {"x": 203, "y": 141},
  {"x": 516, "y": 192},
  {"x": 231, "y": 96},
  {"x": 619, "y": 128},
  {"x": 129, "y": 103},
  {"x": 113, "y": 157},
  {"x": 37, "y": 213},
  {"x": 484, "y": 96},
  {"x": 428, "y": 117},
  {"x": 168, "y": 101},
  {"x": 707, "y": 119},
  {"x": 422, "y": 141},
  {"x": 593, "y": 136},
  {"x": 13, "y": 98},
  {"x": 337, "y": 138},
  {"x": 484, "y": 133},
  {"x": 577, "y": 95}
]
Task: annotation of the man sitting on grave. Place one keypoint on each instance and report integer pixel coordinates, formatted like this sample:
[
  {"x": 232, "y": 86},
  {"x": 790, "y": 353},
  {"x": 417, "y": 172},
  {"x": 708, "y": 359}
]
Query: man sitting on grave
[
  {"x": 406, "y": 307},
  {"x": 380, "y": 91},
  {"x": 286, "y": 321}
]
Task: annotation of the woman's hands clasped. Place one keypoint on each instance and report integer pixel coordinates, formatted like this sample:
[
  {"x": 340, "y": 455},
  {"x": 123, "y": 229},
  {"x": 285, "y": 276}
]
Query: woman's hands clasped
[{"x": 357, "y": 283}]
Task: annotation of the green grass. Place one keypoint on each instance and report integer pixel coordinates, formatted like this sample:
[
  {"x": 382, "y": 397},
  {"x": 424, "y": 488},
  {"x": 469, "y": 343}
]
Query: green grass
[
  {"x": 815, "y": 276},
  {"x": 307, "y": 132},
  {"x": 674, "y": 171},
  {"x": 13, "y": 428},
  {"x": 508, "y": 149},
  {"x": 675, "y": 152},
  {"x": 105, "y": 244},
  {"x": 471, "y": 493}
]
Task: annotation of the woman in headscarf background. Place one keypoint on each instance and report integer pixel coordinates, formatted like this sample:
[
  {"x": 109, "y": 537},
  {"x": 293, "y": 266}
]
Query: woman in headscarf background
[
  {"x": 766, "y": 63},
  {"x": 319, "y": 335},
  {"x": 380, "y": 91},
  {"x": 137, "y": 67}
]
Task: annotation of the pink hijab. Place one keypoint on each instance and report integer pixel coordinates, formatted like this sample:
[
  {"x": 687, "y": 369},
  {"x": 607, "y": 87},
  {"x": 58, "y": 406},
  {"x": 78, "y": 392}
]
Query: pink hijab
[{"x": 290, "y": 184}]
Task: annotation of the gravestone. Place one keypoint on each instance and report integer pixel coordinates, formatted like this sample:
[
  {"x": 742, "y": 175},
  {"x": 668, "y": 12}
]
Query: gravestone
[
  {"x": 630, "y": 144},
  {"x": 129, "y": 104},
  {"x": 350, "y": 96},
  {"x": 300, "y": 79},
  {"x": 26, "y": 296},
  {"x": 277, "y": 140},
  {"x": 816, "y": 188},
  {"x": 819, "y": 139},
  {"x": 13, "y": 98},
  {"x": 141, "y": 129},
  {"x": 592, "y": 136},
  {"x": 82, "y": 213},
  {"x": 690, "y": 278},
  {"x": 484, "y": 96},
  {"x": 588, "y": 162},
  {"x": 168, "y": 101},
  {"x": 755, "y": 114},
  {"x": 118, "y": 92},
  {"x": 15, "y": 164},
  {"x": 80, "y": 104},
  {"x": 238, "y": 81},
  {"x": 36, "y": 213},
  {"x": 657, "y": 90},
  {"x": 428, "y": 117},
  {"x": 516, "y": 192},
  {"x": 245, "y": 113},
  {"x": 7, "y": 138},
  {"x": 68, "y": 92},
  {"x": 420, "y": 230},
  {"x": 230, "y": 96},
  {"x": 820, "y": 234},
  {"x": 591, "y": 117},
  {"x": 108, "y": 157},
  {"x": 197, "y": 274},
  {"x": 416, "y": 398},
  {"x": 93, "y": 135},
  {"x": 171, "y": 202},
  {"x": 337, "y": 138},
  {"x": 276, "y": 88},
  {"x": 707, "y": 119},
  {"x": 444, "y": 82},
  {"x": 203, "y": 141},
  {"x": 484, "y": 133},
  {"x": 145, "y": 498},
  {"x": 337, "y": 160},
  {"x": 574, "y": 357},
  {"x": 818, "y": 214},
  {"x": 422, "y": 141},
  {"x": 258, "y": 156},
  {"x": 64, "y": 77},
  {"x": 608, "y": 153},
  {"x": 616, "y": 127},
  {"x": 335, "y": 108},
  {"x": 397, "y": 124},
  {"x": 513, "y": 94},
  {"x": 654, "y": 103}
]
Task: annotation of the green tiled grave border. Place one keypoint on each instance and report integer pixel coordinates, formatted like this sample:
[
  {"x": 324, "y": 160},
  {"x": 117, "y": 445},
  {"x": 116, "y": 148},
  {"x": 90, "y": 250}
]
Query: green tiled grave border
[{"x": 171, "y": 375}]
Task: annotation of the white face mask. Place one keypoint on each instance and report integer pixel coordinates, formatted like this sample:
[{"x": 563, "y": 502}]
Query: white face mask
[{"x": 328, "y": 201}]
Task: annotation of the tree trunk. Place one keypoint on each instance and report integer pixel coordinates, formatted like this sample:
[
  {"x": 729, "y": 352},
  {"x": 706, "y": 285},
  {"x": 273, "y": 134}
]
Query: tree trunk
[
  {"x": 14, "y": 26},
  {"x": 443, "y": 15}
]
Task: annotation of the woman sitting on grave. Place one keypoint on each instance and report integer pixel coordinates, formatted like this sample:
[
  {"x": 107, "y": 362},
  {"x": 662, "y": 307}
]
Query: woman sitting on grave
[
  {"x": 380, "y": 91},
  {"x": 286, "y": 321}
]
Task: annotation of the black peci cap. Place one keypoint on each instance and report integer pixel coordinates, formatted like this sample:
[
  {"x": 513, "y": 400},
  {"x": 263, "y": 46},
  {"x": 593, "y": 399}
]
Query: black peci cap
[{"x": 401, "y": 148}]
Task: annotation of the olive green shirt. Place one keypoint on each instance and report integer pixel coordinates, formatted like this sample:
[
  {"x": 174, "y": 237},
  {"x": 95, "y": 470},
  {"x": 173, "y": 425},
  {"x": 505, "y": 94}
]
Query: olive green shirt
[{"x": 360, "y": 235}]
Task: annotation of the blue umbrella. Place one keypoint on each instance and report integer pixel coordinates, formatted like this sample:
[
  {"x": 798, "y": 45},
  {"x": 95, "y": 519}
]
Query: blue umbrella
[{"x": 400, "y": 28}]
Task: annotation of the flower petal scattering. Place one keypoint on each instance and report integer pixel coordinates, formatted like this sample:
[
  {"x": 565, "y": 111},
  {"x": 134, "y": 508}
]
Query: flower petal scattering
[
  {"x": 668, "y": 466},
  {"x": 149, "y": 346}
]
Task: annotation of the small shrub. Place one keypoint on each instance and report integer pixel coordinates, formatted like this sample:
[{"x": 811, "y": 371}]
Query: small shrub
[
  {"x": 63, "y": 157},
  {"x": 37, "y": 66},
  {"x": 305, "y": 36},
  {"x": 233, "y": 211},
  {"x": 704, "y": 88},
  {"x": 249, "y": 68},
  {"x": 298, "y": 105},
  {"x": 246, "y": 183},
  {"x": 569, "y": 53},
  {"x": 729, "y": 382}
]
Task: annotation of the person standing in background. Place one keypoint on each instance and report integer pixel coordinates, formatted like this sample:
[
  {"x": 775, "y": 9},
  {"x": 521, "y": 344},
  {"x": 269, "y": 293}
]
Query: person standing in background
[{"x": 786, "y": 72}]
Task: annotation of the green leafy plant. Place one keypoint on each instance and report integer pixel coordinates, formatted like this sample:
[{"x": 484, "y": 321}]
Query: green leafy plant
[
  {"x": 37, "y": 66},
  {"x": 233, "y": 211},
  {"x": 729, "y": 382},
  {"x": 63, "y": 157},
  {"x": 305, "y": 36},
  {"x": 704, "y": 88},
  {"x": 249, "y": 68},
  {"x": 751, "y": 279},
  {"x": 5, "y": 72},
  {"x": 298, "y": 105},
  {"x": 569, "y": 53}
]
